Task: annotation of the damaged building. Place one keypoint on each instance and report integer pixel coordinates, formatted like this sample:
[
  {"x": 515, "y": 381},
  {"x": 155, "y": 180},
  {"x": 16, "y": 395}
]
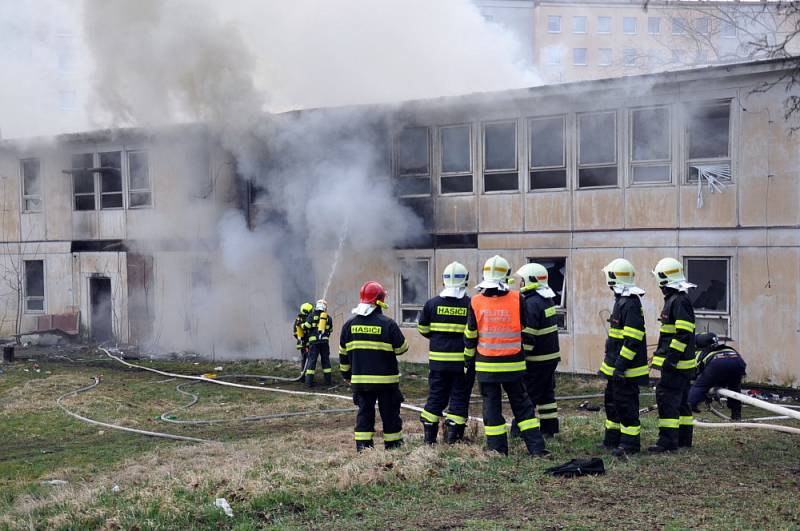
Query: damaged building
[{"x": 696, "y": 164}]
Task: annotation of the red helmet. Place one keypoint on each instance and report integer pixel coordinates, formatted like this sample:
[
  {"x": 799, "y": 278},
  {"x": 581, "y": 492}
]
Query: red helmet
[{"x": 372, "y": 292}]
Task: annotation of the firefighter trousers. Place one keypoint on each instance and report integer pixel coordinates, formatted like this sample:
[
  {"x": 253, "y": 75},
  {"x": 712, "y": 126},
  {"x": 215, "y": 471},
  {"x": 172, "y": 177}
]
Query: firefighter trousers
[
  {"x": 540, "y": 384},
  {"x": 623, "y": 428},
  {"x": 389, "y": 400},
  {"x": 322, "y": 350},
  {"x": 448, "y": 387},
  {"x": 727, "y": 373},
  {"x": 494, "y": 424},
  {"x": 675, "y": 420}
]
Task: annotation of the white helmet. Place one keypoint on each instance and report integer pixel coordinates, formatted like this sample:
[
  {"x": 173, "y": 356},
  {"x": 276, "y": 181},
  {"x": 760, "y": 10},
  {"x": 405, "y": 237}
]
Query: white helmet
[
  {"x": 322, "y": 305},
  {"x": 620, "y": 272},
  {"x": 455, "y": 275},
  {"x": 533, "y": 275},
  {"x": 496, "y": 269},
  {"x": 669, "y": 271}
]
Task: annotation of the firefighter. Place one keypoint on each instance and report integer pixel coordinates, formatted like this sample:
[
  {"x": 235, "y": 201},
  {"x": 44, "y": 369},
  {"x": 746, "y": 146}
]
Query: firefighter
[
  {"x": 319, "y": 325},
  {"x": 493, "y": 346},
  {"x": 625, "y": 364},
  {"x": 718, "y": 365},
  {"x": 443, "y": 320},
  {"x": 301, "y": 333},
  {"x": 540, "y": 343},
  {"x": 368, "y": 349},
  {"x": 675, "y": 358}
]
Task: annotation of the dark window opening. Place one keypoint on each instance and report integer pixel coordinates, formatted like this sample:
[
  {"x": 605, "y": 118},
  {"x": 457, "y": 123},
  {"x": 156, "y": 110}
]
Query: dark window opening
[
  {"x": 83, "y": 181},
  {"x": 111, "y": 180},
  {"x": 139, "y": 191},
  {"x": 557, "y": 280},
  {"x": 597, "y": 159},
  {"x": 547, "y": 153},
  {"x": 414, "y": 288},
  {"x": 500, "y": 157},
  {"x": 34, "y": 285},
  {"x": 31, "y": 185},
  {"x": 413, "y": 162}
]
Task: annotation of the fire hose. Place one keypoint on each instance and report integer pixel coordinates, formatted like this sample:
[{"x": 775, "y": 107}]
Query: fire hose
[{"x": 783, "y": 411}]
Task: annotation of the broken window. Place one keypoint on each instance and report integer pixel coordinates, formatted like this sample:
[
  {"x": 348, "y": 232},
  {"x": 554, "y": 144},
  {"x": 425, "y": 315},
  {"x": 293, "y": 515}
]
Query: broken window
[
  {"x": 554, "y": 24},
  {"x": 579, "y": 56},
  {"x": 111, "y": 179},
  {"x": 650, "y": 145},
  {"x": 413, "y": 162},
  {"x": 139, "y": 191},
  {"x": 578, "y": 24},
  {"x": 557, "y": 280},
  {"x": 629, "y": 25},
  {"x": 500, "y": 157},
  {"x": 654, "y": 25},
  {"x": 603, "y": 24},
  {"x": 708, "y": 138},
  {"x": 456, "y": 159},
  {"x": 604, "y": 56},
  {"x": 31, "y": 185},
  {"x": 34, "y": 286},
  {"x": 83, "y": 181},
  {"x": 548, "y": 167},
  {"x": 414, "y": 288},
  {"x": 711, "y": 297},
  {"x": 597, "y": 149}
]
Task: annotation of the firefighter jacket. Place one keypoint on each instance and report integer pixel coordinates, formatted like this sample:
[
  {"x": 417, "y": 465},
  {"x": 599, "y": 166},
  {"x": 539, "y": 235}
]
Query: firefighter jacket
[
  {"x": 493, "y": 337},
  {"x": 319, "y": 326},
  {"x": 300, "y": 332},
  {"x": 368, "y": 350},
  {"x": 704, "y": 357},
  {"x": 540, "y": 332},
  {"x": 675, "y": 351},
  {"x": 443, "y": 321},
  {"x": 626, "y": 344}
]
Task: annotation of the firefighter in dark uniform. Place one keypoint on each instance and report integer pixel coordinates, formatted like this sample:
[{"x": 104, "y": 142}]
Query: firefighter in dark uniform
[
  {"x": 319, "y": 325},
  {"x": 675, "y": 358},
  {"x": 443, "y": 320},
  {"x": 718, "y": 365},
  {"x": 493, "y": 343},
  {"x": 625, "y": 364},
  {"x": 301, "y": 333},
  {"x": 540, "y": 343},
  {"x": 368, "y": 349}
]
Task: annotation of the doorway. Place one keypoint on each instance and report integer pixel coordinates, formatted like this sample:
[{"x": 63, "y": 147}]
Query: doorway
[{"x": 101, "y": 325}]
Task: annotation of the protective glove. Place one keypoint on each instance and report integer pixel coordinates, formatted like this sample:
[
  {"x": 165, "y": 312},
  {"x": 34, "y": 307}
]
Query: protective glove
[
  {"x": 618, "y": 375},
  {"x": 669, "y": 365},
  {"x": 469, "y": 365}
]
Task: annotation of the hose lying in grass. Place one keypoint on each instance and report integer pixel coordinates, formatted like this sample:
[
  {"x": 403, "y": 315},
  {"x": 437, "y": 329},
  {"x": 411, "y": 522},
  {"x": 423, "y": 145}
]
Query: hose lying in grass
[
  {"x": 746, "y": 425},
  {"x": 76, "y": 392},
  {"x": 774, "y": 408}
]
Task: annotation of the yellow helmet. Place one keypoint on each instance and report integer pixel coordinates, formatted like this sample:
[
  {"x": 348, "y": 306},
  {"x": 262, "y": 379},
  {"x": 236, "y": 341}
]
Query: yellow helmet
[
  {"x": 533, "y": 275},
  {"x": 496, "y": 269},
  {"x": 306, "y": 308},
  {"x": 668, "y": 271},
  {"x": 620, "y": 272}
]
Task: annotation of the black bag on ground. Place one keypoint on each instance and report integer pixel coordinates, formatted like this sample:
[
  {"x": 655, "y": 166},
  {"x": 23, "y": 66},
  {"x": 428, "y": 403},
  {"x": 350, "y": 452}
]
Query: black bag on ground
[{"x": 578, "y": 467}]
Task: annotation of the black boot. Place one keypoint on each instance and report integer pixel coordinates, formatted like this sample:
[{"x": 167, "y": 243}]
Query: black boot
[
  {"x": 453, "y": 432},
  {"x": 328, "y": 379},
  {"x": 430, "y": 431},
  {"x": 535, "y": 442},
  {"x": 363, "y": 445},
  {"x": 391, "y": 445},
  {"x": 514, "y": 431},
  {"x": 611, "y": 439},
  {"x": 549, "y": 427},
  {"x": 497, "y": 443},
  {"x": 667, "y": 441},
  {"x": 685, "y": 433},
  {"x": 309, "y": 380}
]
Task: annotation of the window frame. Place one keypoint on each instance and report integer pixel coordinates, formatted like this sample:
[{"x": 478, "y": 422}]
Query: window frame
[
  {"x": 600, "y": 56},
  {"x": 658, "y": 25},
  {"x": 626, "y": 56},
  {"x": 402, "y": 306},
  {"x": 25, "y": 296},
  {"x": 599, "y": 26},
  {"x": 529, "y": 152},
  {"x": 679, "y": 26},
  {"x": 552, "y": 55},
  {"x": 485, "y": 172},
  {"x": 724, "y": 316},
  {"x": 635, "y": 26},
  {"x": 25, "y": 197},
  {"x": 398, "y": 175},
  {"x": 551, "y": 18},
  {"x": 654, "y": 162},
  {"x": 585, "y": 58},
  {"x": 707, "y": 30},
  {"x": 130, "y": 189},
  {"x": 99, "y": 180},
  {"x": 125, "y": 176},
  {"x": 579, "y": 166},
  {"x": 576, "y": 18},
  {"x": 458, "y": 174},
  {"x": 689, "y": 162},
  {"x": 562, "y": 308}
]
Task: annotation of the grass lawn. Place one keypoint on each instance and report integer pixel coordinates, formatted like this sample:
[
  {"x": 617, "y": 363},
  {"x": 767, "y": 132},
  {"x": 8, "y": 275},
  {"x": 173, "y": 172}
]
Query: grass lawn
[{"x": 303, "y": 472}]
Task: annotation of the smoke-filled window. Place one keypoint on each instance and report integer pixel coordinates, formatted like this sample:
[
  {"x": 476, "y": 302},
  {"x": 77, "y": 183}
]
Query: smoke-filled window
[
  {"x": 500, "y": 157},
  {"x": 413, "y": 162},
  {"x": 456, "y": 159},
  {"x": 654, "y": 25},
  {"x": 597, "y": 149},
  {"x": 711, "y": 297},
  {"x": 552, "y": 55},
  {"x": 34, "y": 286},
  {"x": 708, "y": 138},
  {"x": 578, "y": 24},
  {"x": 629, "y": 25},
  {"x": 651, "y": 152},
  {"x": 557, "y": 280},
  {"x": 414, "y": 288},
  {"x": 603, "y": 24},
  {"x": 30, "y": 169},
  {"x": 139, "y": 191},
  {"x": 111, "y": 179},
  {"x": 83, "y": 181},
  {"x": 547, "y": 164},
  {"x": 604, "y": 56}
]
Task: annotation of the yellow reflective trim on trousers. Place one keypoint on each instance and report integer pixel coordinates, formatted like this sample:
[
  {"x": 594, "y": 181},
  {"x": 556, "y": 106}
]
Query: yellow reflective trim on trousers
[
  {"x": 686, "y": 421},
  {"x": 615, "y": 333},
  {"x": 544, "y": 357},
  {"x": 309, "y": 371},
  {"x": 327, "y": 371},
  {"x": 633, "y": 431},
  {"x": 669, "y": 423},
  {"x": 607, "y": 369},
  {"x": 390, "y": 437},
  {"x": 529, "y": 424},
  {"x": 550, "y": 312},
  {"x": 680, "y": 346},
  {"x": 635, "y": 333},
  {"x": 611, "y": 425},
  {"x": 470, "y": 334},
  {"x": 482, "y": 366},
  {"x": 375, "y": 378},
  {"x": 686, "y": 364},
  {"x": 539, "y": 331},
  {"x": 636, "y": 372},
  {"x": 500, "y": 429},
  {"x": 551, "y": 405},
  {"x": 402, "y": 349},
  {"x": 458, "y": 419},
  {"x": 364, "y": 435},
  {"x": 627, "y": 353},
  {"x": 343, "y": 367},
  {"x": 544, "y": 416},
  {"x": 431, "y": 417},
  {"x": 448, "y": 327},
  {"x": 667, "y": 329},
  {"x": 369, "y": 345},
  {"x": 685, "y": 325},
  {"x": 446, "y": 356},
  {"x": 658, "y": 361}
]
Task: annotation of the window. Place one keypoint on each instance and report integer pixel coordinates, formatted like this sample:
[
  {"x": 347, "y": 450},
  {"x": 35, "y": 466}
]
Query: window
[
  {"x": 650, "y": 145},
  {"x": 557, "y": 280},
  {"x": 597, "y": 149},
  {"x": 604, "y": 56},
  {"x": 678, "y": 26},
  {"x": 414, "y": 288},
  {"x": 711, "y": 297},
  {"x": 413, "y": 166},
  {"x": 111, "y": 180},
  {"x": 578, "y": 24},
  {"x": 548, "y": 168},
  {"x": 629, "y": 25},
  {"x": 456, "y": 159},
  {"x": 552, "y": 55},
  {"x": 603, "y": 24},
  {"x": 677, "y": 56},
  {"x": 500, "y": 157},
  {"x": 31, "y": 185},
  {"x": 654, "y": 25},
  {"x": 701, "y": 25},
  {"x": 34, "y": 286},
  {"x": 629, "y": 56},
  {"x": 579, "y": 56},
  {"x": 728, "y": 30},
  {"x": 83, "y": 181},
  {"x": 139, "y": 194},
  {"x": 708, "y": 139},
  {"x": 554, "y": 24}
]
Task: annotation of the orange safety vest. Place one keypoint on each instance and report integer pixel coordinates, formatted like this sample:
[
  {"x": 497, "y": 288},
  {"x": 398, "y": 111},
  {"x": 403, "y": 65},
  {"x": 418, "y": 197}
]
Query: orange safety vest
[{"x": 499, "y": 324}]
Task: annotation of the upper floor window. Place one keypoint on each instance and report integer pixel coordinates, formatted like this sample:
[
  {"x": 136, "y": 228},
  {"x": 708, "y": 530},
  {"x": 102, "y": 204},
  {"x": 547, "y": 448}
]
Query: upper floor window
[
  {"x": 702, "y": 26},
  {"x": 111, "y": 179},
  {"x": 456, "y": 159},
  {"x": 654, "y": 25},
  {"x": 31, "y": 184},
  {"x": 414, "y": 288},
  {"x": 552, "y": 55},
  {"x": 678, "y": 26},
  {"x": 554, "y": 24},
  {"x": 578, "y": 24},
  {"x": 629, "y": 56},
  {"x": 597, "y": 149},
  {"x": 139, "y": 193},
  {"x": 83, "y": 185},
  {"x": 99, "y": 179},
  {"x": 34, "y": 286},
  {"x": 500, "y": 172},
  {"x": 650, "y": 145},
  {"x": 603, "y": 24},
  {"x": 629, "y": 25},
  {"x": 548, "y": 166},
  {"x": 708, "y": 138},
  {"x": 728, "y": 30},
  {"x": 579, "y": 56},
  {"x": 604, "y": 56},
  {"x": 413, "y": 162}
]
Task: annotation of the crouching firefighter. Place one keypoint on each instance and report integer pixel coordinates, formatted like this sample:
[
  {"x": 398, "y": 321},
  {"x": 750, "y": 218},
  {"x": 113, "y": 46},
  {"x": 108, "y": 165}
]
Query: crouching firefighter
[
  {"x": 493, "y": 343},
  {"x": 625, "y": 364},
  {"x": 301, "y": 334},
  {"x": 368, "y": 349},
  {"x": 675, "y": 358},
  {"x": 540, "y": 343},
  {"x": 319, "y": 325},
  {"x": 443, "y": 320},
  {"x": 718, "y": 365}
]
